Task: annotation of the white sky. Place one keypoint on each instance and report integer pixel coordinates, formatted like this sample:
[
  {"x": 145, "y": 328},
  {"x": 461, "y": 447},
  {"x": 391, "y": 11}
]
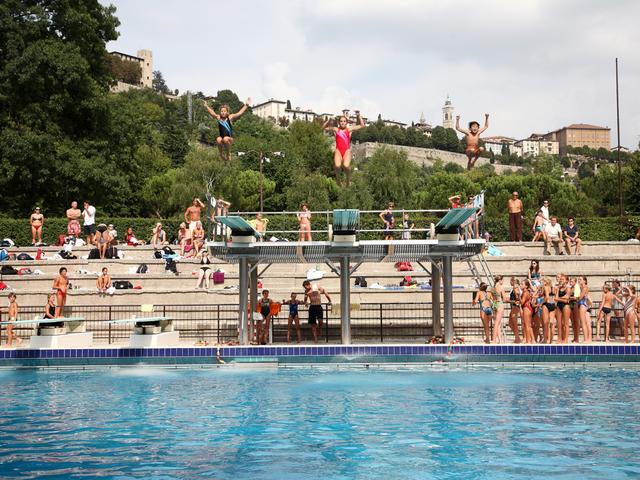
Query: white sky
[{"x": 534, "y": 65}]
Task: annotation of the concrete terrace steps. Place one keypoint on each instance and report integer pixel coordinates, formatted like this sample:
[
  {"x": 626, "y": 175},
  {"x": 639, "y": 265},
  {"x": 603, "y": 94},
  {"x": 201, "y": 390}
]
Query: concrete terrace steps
[{"x": 520, "y": 249}]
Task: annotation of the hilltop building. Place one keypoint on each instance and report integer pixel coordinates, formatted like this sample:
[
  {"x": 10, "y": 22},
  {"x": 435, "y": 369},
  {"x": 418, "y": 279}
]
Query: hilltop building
[
  {"x": 580, "y": 135},
  {"x": 447, "y": 114},
  {"x": 145, "y": 59}
]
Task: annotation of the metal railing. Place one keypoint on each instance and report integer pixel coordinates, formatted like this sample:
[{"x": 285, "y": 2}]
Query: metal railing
[{"x": 370, "y": 322}]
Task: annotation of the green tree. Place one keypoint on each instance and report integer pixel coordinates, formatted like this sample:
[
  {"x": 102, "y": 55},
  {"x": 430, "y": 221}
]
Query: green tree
[
  {"x": 158, "y": 83},
  {"x": 54, "y": 78},
  {"x": 391, "y": 177},
  {"x": 445, "y": 139}
]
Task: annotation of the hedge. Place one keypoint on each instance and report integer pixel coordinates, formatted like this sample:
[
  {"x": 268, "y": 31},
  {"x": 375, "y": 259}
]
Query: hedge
[{"x": 591, "y": 228}]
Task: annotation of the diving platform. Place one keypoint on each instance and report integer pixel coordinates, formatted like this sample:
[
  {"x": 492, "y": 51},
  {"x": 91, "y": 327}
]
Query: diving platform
[{"x": 344, "y": 254}]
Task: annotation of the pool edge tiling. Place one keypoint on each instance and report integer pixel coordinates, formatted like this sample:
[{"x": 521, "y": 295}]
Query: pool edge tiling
[{"x": 321, "y": 354}]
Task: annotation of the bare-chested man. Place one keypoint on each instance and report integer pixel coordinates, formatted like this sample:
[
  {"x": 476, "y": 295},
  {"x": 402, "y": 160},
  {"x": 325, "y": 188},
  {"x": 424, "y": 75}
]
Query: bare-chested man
[
  {"x": 314, "y": 295},
  {"x": 61, "y": 285},
  {"x": 473, "y": 149},
  {"x": 36, "y": 220},
  {"x": 74, "y": 214},
  {"x": 514, "y": 206},
  {"x": 193, "y": 213}
]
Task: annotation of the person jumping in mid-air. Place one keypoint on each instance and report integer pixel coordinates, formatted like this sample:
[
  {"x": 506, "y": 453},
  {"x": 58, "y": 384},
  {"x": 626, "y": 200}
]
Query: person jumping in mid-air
[
  {"x": 225, "y": 128},
  {"x": 473, "y": 149},
  {"x": 342, "y": 155}
]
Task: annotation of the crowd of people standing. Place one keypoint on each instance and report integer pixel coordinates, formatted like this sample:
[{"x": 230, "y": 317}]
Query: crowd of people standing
[{"x": 555, "y": 310}]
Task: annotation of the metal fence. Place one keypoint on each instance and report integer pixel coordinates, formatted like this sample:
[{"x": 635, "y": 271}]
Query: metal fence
[{"x": 370, "y": 322}]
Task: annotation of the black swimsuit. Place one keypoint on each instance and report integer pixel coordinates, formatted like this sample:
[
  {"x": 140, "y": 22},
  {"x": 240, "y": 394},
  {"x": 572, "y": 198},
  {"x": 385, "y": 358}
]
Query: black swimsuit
[
  {"x": 225, "y": 129},
  {"x": 561, "y": 305}
]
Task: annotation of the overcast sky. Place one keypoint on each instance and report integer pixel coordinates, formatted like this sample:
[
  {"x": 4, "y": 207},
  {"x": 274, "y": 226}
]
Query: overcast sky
[{"x": 534, "y": 65}]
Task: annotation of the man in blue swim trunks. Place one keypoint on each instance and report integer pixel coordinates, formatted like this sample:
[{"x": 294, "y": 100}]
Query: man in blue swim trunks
[{"x": 314, "y": 295}]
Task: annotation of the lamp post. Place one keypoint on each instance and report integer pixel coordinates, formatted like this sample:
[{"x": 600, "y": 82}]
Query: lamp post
[{"x": 262, "y": 157}]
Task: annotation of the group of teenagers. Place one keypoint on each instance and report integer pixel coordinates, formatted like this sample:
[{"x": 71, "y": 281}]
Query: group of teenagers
[{"x": 542, "y": 310}]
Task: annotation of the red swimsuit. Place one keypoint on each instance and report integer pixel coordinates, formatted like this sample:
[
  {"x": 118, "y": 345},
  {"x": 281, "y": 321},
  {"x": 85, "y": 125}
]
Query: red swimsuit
[{"x": 343, "y": 140}]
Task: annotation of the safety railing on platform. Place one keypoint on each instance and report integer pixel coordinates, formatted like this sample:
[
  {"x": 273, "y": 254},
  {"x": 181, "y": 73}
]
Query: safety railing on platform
[{"x": 370, "y": 322}]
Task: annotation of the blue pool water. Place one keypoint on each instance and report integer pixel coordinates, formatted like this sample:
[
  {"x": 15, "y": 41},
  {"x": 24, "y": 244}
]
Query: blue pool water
[{"x": 457, "y": 422}]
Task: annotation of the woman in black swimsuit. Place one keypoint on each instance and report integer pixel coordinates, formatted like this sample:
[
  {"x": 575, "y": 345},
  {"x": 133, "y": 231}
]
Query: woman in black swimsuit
[
  {"x": 514, "y": 312},
  {"x": 204, "y": 274},
  {"x": 563, "y": 314}
]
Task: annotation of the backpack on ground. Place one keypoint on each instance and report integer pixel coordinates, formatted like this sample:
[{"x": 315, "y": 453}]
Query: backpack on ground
[
  {"x": 157, "y": 254},
  {"x": 167, "y": 250},
  {"x": 122, "y": 285},
  {"x": 142, "y": 268},
  {"x": 67, "y": 255},
  {"x": 112, "y": 252},
  {"x": 94, "y": 254},
  {"x": 171, "y": 266},
  {"x": 8, "y": 270},
  {"x": 24, "y": 256},
  {"x": 4, "y": 255},
  {"x": 7, "y": 243}
]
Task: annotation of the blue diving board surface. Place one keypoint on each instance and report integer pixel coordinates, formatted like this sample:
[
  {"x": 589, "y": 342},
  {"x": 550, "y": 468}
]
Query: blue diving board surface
[
  {"x": 454, "y": 219},
  {"x": 346, "y": 221},
  {"x": 238, "y": 225},
  {"x": 44, "y": 321}
]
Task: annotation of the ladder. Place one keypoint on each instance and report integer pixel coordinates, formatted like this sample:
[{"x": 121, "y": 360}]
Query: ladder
[{"x": 480, "y": 270}]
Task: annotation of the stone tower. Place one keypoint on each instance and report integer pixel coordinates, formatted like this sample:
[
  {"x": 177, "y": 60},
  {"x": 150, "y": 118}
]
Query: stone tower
[
  {"x": 147, "y": 68},
  {"x": 447, "y": 114}
]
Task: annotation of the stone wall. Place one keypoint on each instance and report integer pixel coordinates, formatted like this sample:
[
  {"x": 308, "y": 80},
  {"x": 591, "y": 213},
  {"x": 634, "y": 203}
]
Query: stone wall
[{"x": 424, "y": 156}]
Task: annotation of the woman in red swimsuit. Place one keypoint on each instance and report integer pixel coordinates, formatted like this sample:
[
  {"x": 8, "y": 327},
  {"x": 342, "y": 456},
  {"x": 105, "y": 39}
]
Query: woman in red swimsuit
[{"x": 342, "y": 155}]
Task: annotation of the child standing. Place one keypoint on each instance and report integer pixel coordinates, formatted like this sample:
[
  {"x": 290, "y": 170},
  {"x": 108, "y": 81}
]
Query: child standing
[
  {"x": 407, "y": 226},
  {"x": 13, "y": 316},
  {"x": 293, "y": 303}
]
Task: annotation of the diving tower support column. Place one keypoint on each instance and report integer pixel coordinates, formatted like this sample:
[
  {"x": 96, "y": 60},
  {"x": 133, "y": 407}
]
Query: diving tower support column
[
  {"x": 447, "y": 280},
  {"x": 345, "y": 300},
  {"x": 435, "y": 299},
  {"x": 243, "y": 272},
  {"x": 253, "y": 288}
]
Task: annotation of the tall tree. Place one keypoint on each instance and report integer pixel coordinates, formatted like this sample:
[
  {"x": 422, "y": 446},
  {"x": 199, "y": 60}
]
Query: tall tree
[
  {"x": 159, "y": 84},
  {"x": 54, "y": 78}
]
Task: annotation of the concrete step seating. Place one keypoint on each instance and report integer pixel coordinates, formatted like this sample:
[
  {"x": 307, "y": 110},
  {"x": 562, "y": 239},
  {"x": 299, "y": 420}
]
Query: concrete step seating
[{"x": 609, "y": 260}]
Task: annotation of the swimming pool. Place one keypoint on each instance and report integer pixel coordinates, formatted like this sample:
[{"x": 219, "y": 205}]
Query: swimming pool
[{"x": 307, "y": 423}]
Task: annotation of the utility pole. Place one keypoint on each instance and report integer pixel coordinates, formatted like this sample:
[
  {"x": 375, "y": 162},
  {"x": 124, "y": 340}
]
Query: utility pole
[{"x": 189, "y": 107}]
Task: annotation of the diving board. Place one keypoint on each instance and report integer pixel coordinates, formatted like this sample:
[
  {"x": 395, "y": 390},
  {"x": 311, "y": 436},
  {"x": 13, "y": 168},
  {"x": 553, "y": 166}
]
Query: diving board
[
  {"x": 241, "y": 230},
  {"x": 151, "y": 331},
  {"x": 61, "y": 332},
  {"x": 448, "y": 227}
]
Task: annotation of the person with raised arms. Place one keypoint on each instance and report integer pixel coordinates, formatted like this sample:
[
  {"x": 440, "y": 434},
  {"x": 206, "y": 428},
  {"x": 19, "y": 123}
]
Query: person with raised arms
[
  {"x": 472, "y": 136},
  {"x": 225, "y": 126},
  {"x": 342, "y": 155}
]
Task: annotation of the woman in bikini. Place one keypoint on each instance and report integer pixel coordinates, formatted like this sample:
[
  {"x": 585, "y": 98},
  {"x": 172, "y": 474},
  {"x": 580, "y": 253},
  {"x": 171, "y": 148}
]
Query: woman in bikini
[
  {"x": 548, "y": 311},
  {"x": 527, "y": 312},
  {"x": 184, "y": 238},
  {"x": 563, "y": 311},
  {"x": 628, "y": 300},
  {"x": 485, "y": 300},
  {"x": 605, "y": 310},
  {"x": 204, "y": 273},
  {"x": 198, "y": 238},
  {"x": 499, "y": 296},
  {"x": 304, "y": 220},
  {"x": 515, "y": 310},
  {"x": 342, "y": 155},
  {"x": 225, "y": 127},
  {"x": 583, "y": 307},
  {"x": 534, "y": 273},
  {"x": 36, "y": 220}
]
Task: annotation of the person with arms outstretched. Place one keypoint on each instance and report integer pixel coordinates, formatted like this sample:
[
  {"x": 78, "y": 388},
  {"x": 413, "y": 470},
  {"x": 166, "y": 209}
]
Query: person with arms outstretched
[
  {"x": 225, "y": 127},
  {"x": 472, "y": 136},
  {"x": 342, "y": 155}
]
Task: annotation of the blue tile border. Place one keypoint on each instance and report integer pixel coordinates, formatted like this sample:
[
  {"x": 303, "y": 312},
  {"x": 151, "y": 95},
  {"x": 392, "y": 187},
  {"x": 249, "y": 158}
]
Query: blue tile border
[{"x": 324, "y": 353}]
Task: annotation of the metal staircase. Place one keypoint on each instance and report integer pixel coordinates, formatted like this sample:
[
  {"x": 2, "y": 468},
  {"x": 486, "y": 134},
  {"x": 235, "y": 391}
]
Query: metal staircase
[{"x": 480, "y": 270}]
